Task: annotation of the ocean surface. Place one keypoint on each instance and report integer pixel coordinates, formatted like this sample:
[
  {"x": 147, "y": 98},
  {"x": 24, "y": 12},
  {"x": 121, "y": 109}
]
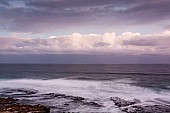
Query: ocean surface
[{"x": 95, "y": 83}]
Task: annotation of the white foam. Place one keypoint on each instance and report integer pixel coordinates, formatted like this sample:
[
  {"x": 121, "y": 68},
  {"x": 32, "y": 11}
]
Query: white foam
[{"x": 94, "y": 90}]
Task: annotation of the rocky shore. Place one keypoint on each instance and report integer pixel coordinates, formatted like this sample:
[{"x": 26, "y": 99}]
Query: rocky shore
[
  {"x": 133, "y": 106},
  {"x": 25, "y": 101},
  {"x": 10, "y": 105}
]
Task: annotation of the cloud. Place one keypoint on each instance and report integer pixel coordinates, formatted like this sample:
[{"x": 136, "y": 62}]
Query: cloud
[
  {"x": 141, "y": 42},
  {"x": 53, "y": 15},
  {"x": 101, "y": 44},
  {"x": 109, "y": 43},
  {"x": 4, "y": 2},
  {"x": 167, "y": 27},
  {"x": 147, "y": 12}
]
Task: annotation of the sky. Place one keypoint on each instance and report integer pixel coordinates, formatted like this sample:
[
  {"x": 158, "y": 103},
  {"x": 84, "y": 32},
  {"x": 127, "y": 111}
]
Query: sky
[{"x": 85, "y": 31}]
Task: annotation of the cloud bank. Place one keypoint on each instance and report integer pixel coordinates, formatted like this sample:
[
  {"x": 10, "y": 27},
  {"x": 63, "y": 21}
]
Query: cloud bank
[
  {"x": 38, "y": 15},
  {"x": 98, "y": 44}
]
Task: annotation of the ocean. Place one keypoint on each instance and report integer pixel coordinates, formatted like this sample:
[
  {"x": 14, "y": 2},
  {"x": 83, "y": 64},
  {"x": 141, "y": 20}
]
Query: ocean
[{"x": 94, "y": 83}]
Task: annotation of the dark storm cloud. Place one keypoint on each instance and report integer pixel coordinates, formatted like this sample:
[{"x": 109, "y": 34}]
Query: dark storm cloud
[
  {"x": 4, "y": 2},
  {"x": 67, "y": 3},
  {"x": 148, "y": 11},
  {"x": 51, "y": 15}
]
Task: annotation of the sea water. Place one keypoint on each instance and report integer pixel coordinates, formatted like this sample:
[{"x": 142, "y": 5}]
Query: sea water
[{"x": 96, "y": 83}]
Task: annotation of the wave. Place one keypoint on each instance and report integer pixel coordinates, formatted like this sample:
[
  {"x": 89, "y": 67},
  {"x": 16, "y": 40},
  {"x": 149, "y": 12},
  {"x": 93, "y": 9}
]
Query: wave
[{"x": 100, "y": 91}]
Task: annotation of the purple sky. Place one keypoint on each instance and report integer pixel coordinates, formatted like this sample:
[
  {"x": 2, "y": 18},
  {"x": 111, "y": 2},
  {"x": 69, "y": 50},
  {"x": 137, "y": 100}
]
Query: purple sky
[{"x": 130, "y": 31}]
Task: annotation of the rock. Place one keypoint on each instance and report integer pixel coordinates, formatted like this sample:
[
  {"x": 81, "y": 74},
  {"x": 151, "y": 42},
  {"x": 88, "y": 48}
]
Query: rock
[
  {"x": 9, "y": 100},
  {"x": 92, "y": 104},
  {"x": 148, "y": 109},
  {"x": 75, "y": 98},
  {"x": 27, "y": 92},
  {"x": 66, "y": 104},
  {"x": 139, "y": 108},
  {"x": 21, "y": 91},
  {"x": 9, "y": 105},
  {"x": 25, "y": 108},
  {"x": 123, "y": 103},
  {"x": 52, "y": 95}
]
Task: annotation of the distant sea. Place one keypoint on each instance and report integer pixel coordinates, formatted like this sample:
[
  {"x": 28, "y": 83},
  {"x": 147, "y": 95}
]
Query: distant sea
[{"x": 95, "y": 83}]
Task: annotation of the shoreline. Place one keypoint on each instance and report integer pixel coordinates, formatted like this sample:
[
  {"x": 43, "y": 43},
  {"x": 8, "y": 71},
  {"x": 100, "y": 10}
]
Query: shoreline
[
  {"x": 11, "y": 105},
  {"x": 53, "y": 101}
]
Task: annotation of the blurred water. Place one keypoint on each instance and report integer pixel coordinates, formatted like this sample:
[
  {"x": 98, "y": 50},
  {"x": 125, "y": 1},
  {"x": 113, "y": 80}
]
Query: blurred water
[{"x": 93, "y": 82}]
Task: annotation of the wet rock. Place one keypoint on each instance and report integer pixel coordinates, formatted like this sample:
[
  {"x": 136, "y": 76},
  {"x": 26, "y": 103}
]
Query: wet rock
[
  {"x": 17, "y": 108},
  {"x": 139, "y": 108},
  {"x": 123, "y": 103},
  {"x": 75, "y": 98},
  {"x": 148, "y": 109},
  {"x": 27, "y": 92},
  {"x": 10, "y": 105},
  {"x": 9, "y": 100},
  {"x": 66, "y": 104},
  {"x": 20, "y": 91},
  {"x": 52, "y": 95},
  {"x": 94, "y": 104}
]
